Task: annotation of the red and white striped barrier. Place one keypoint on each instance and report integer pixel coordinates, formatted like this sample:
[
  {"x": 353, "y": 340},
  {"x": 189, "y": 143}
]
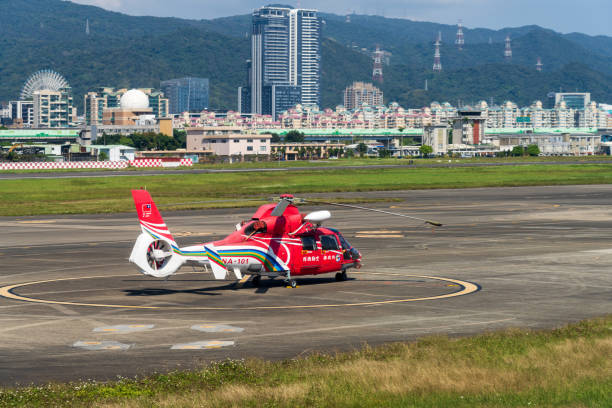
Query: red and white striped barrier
[
  {"x": 146, "y": 163},
  {"x": 161, "y": 162},
  {"x": 95, "y": 165},
  {"x": 63, "y": 165}
]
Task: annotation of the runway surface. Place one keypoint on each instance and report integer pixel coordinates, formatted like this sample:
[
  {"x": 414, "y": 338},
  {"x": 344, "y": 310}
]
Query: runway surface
[{"x": 535, "y": 257}]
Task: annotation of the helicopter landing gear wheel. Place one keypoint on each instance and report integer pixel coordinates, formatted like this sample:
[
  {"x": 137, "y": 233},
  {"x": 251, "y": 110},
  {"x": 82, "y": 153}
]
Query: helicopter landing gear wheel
[
  {"x": 289, "y": 281},
  {"x": 256, "y": 280},
  {"x": 341, "y": 276}
]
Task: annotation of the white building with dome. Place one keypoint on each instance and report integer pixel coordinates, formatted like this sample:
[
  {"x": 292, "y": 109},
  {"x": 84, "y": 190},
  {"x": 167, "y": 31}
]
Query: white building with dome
[
  {"x": 111, "y": 111},
  {"x": 103, "y": 99},
  {"x": 134, "y": 99}
]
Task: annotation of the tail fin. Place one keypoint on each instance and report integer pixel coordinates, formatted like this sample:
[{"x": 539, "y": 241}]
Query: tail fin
[
  {"x": 155, "y": 251},
  {"x": 150, "y": 219}
]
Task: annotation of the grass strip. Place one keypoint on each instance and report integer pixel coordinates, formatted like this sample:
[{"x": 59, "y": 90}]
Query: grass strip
[
  {"x": 355, "y": 161},
  {"x": 568, "y": 366},
  {"x": 112, "y": 194}
]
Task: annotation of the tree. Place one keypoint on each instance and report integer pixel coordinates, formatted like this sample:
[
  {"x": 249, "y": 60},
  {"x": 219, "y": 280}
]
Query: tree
[
  {"x": 383, "y": 153},
  {"x": 533, "y": 150},
  {"x": 180, "y": 136},
  {"x": 275, "y": 138},
  {"x": 426, "y": 150},
  {"x": 294, "y": 136},
  {"x": 518, "y": 151},
  {"x": 102, "y": 156},
  {"x": 362, "y": 148}
]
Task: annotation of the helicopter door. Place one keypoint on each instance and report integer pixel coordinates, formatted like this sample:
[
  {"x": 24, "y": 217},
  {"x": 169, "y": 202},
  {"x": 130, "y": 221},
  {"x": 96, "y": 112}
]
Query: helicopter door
[
  {"x": 311, "y": 255},
  {"x": 331, "y": 253}
]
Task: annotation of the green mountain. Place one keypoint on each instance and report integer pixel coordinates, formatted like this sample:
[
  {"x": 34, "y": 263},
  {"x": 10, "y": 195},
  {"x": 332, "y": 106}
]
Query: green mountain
[{"x": 128, "y": 51}]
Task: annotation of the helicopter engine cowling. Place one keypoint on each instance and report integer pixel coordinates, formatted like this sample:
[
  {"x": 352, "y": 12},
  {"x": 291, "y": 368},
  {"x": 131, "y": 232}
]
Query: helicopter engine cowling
[{"x": 155, "y": 257}]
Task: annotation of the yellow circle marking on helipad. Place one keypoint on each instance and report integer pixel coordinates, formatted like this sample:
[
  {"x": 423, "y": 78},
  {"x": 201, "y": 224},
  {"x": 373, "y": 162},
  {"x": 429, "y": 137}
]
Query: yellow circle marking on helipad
[{"x": 468, "y": 287}]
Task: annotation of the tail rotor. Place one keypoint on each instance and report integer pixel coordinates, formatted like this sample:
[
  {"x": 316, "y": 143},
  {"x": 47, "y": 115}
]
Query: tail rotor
[{"x": 159, "y": 254}]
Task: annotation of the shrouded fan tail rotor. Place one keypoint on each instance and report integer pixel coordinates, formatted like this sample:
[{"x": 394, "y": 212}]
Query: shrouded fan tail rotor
[{"x": 159, "y": 254}]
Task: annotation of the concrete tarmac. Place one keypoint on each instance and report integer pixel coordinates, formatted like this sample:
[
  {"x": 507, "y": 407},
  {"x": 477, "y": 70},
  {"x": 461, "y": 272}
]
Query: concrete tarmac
[{"x": 536, "y": 257}]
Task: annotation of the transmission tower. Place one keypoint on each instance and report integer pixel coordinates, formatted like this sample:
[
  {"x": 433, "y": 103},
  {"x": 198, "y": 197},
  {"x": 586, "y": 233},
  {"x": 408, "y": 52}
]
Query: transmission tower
[
  {"x": 377, "y": 71},
  {"x": 508, "y": 50},
  {"x": 460, "y": 41},
  {"x": 437, "y": 66},
  {"x": 539, "y": 65}
]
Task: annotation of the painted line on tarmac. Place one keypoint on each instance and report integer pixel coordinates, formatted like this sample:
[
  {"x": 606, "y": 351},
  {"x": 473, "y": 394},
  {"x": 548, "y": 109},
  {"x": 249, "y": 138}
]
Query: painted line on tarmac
[
  {"x": 217, "y": 328},
  {"x": 202, "y": 345},
  {"x": 124, "y": 328},
  {"x": 101, "y": 345},
  {"x": 467, "y": 288}
]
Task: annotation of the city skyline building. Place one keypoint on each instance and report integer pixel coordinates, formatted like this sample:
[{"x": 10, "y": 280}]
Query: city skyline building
[
  {"x": 359, "y": 93},
  {"x": 21, "y": 113},
  {"x": 53, "y": 109},
  {"x": 187, "y": 94},
  {"x": 573, "y": 100},
  {"x": 104, "y": 98},
  {"x": 285, "y": 52}
]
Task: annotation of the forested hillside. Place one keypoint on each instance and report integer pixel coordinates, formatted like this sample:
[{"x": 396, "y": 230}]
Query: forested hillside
[{"x": 127, "y": 51}]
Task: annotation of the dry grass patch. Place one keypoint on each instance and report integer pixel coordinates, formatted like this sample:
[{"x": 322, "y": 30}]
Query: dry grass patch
[{"x": 570, "y": 366}]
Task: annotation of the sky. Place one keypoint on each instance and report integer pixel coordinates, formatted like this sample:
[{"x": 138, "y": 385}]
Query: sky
[{"x": 586, "y": 16}]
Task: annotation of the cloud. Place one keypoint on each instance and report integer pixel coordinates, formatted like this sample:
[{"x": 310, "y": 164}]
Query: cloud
[
  {"x": 114, "y": 5},
  {"x": 591, "y": 17}
]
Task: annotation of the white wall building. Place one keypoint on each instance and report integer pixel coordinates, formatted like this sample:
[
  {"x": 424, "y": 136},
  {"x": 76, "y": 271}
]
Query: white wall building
[
  {"x": 227, "y": 141},
  {"x": 115, "y": 152}
]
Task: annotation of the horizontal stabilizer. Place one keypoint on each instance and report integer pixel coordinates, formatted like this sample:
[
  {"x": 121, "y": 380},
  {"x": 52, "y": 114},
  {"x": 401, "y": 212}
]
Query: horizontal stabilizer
[{"x": 216, "y": 263}]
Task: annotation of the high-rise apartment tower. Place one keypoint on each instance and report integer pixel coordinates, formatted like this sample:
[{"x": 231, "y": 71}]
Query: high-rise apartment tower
[{"x": 286, "y": 54}]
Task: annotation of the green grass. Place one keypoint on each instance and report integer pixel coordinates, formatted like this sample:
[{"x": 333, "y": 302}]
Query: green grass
[
  {"x": 112, "y": 194},
  {"x": 355, "y": 161},
  {"x": 569, "y": 366}
]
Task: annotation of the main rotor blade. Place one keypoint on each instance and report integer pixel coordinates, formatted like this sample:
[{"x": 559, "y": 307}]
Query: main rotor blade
[
  {"x": 231, "y": 200},
  {"x": 436, "y": 224},
  {"x": 280, "y": 208}
]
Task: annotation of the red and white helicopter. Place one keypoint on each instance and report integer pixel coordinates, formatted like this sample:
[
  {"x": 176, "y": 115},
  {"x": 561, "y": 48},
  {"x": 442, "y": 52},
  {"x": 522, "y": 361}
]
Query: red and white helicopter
[{"x": 277, "y": 241}]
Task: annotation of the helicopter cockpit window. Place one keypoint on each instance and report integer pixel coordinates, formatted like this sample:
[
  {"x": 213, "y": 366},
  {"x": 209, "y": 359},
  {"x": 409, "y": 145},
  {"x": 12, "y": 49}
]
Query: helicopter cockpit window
[
  {"x": 329, "y": 243},
  {"x": 344, "y": 242},
  {"x": 250, "y": 228},
  {"x": 309, "y": 243},
  {"x": 255, "y": 226}
]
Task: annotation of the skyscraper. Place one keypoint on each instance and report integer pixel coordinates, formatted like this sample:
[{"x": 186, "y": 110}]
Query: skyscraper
[
  {"x": 186, "y": 94},
  {"x": 285, "y": 53}
]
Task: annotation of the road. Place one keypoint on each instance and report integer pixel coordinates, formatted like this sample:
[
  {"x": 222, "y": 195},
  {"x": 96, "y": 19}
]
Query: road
[{"x": 536, "y": 257}]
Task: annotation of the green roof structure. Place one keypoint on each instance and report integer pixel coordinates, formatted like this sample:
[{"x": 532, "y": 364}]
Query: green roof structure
[
  {"x": 515, "y": 131},
  {"x": 347, "y": 132},
  {"x": 38, "y": 134}
]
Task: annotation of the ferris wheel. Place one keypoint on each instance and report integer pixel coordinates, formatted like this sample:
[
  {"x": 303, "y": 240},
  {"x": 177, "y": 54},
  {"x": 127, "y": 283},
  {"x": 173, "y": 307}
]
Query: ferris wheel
[{"x": 44, "y": 79}]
